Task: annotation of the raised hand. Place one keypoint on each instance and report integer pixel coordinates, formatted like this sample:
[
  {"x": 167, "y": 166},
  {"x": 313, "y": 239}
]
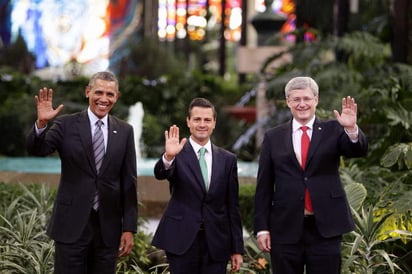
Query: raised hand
[
  {"x": 44, "y": 104},
  {"x": 172, "y": 144},
  {"x": 348, "y": 117}
]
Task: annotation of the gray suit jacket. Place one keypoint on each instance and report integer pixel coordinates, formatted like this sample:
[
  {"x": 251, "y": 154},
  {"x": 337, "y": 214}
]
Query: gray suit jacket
[{"x": 70, "y": 136}]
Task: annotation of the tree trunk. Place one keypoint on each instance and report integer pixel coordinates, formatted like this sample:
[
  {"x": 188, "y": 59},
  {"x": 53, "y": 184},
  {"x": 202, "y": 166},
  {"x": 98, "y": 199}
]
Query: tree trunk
[
  {"x": 399, "y": 27},
  {"x": 341, "y": 11}
]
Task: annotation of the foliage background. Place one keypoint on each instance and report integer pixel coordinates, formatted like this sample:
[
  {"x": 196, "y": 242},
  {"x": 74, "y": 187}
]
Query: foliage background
[{"x": 359, "y": 63}]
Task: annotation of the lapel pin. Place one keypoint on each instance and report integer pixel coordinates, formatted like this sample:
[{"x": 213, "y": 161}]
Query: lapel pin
[
  {"x": 114, "y": 131},
  {"x": 319, "y": 128}
]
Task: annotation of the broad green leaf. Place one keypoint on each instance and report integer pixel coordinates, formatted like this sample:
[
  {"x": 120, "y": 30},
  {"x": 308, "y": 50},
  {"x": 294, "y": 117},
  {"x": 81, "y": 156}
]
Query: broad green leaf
[{"x": 356, "y": 194}]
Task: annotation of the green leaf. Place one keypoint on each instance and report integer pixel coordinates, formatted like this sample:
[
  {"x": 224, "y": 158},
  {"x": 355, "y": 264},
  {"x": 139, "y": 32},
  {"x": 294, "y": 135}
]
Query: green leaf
[
  {"x": 408, "y": 157},
  {"x": 356, "y": 194},
  {"x": 391, "y": 157}
]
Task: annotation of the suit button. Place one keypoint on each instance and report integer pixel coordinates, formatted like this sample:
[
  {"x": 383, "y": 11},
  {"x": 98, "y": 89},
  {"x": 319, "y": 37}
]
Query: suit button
[{"x": 305, "y": 179}]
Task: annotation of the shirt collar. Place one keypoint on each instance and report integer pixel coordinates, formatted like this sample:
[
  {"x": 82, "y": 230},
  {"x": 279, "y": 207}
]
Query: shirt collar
[
  {"x": 93, "y": 118},
  {"x": 196, "y": 146},
  {"x": 296, "y": 125}
]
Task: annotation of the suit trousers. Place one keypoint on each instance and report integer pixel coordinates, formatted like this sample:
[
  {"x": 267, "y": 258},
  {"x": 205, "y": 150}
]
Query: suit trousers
[
  {"x": 88, "y": 255},
  {"x": 313, "y": 253},
  {"x": 196, "y": 259}
]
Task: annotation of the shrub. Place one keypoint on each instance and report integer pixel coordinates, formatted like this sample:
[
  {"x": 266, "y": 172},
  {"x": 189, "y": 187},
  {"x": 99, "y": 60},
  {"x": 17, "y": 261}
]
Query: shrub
[
  {"x": 24, "y": 245},
  {"x": 246, "y": 201}
]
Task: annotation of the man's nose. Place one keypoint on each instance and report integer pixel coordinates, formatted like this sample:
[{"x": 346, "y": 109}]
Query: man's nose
[
  {"x": 203, "y": 123},
  {"x": 104, "y": 97}
]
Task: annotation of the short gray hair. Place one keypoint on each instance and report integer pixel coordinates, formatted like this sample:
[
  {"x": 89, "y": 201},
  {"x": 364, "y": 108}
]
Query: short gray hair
[{"x": 301, "y": 82}]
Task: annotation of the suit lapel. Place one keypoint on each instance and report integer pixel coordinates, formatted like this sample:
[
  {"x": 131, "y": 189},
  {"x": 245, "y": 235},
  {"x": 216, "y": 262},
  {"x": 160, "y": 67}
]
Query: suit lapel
[
  {"x": 84, "y": 130},
  {"x": 288, "y": 143},
  {"x": 315, "y": 140},
  {"x": 217, "y": 165},
  {"x": 113, "y": 133},
  {"x": 192, "y": 161},
  {"x": 86, "y": 138}
]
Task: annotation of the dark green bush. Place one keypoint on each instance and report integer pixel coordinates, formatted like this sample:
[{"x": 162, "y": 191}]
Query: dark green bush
[
  {"x": 24, "y": 212},
  {"x": 246, "y": 201},
  {"x": 164, "y": 101}
]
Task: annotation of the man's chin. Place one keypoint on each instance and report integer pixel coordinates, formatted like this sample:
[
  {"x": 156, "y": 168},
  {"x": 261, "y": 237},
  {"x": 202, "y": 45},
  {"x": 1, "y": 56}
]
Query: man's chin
[
  {"x": 101, "y": 112},
  {"x": 201, "y": 138}
]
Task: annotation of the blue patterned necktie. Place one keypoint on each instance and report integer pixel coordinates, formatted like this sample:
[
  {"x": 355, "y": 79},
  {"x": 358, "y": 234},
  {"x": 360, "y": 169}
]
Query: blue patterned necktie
[
  {"x": 203, "y": 166},
  {"x": 98, "y": 149}
]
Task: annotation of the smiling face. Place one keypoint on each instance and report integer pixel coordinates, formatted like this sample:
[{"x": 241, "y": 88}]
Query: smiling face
[
  {"x": 201, "y": 123},
  {"x": 102, "y": 96},
  {"x": 302, "y": 103}
]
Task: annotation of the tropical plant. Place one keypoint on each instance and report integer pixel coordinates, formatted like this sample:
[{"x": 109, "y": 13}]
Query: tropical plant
[
  {"x": 139, "y": 259},
  {"x": 25, "y": 248},
  {"x": 355, "y": 191},
  {"x": 365, "y": 248},
  {"x": 255, "y": 260},
  {"x": 24, "y": 245},
  {"x": 162, "y": 268},
  {"x": 246, "y": 207}
]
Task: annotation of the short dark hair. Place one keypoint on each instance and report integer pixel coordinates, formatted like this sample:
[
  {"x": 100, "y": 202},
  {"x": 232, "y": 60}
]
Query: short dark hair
[
  {"x": 203, "y": 103},
  {"x": 106, "y": 76}
]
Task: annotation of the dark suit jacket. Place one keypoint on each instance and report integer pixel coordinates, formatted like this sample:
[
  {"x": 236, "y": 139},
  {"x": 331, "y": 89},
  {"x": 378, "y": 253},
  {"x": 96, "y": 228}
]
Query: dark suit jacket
[
  {"x": 281, "y": 182},
  {"x": 190, "y": 205},
  {"x": 71, "y": 137}
]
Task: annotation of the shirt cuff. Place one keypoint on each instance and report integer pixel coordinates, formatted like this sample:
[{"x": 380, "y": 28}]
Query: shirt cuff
[
  {"x": 167, "y": 163},
  {"x": 263, "y": 232},
  {"x": 353, "y": 135},
  {"x": 39, "y": 130}
]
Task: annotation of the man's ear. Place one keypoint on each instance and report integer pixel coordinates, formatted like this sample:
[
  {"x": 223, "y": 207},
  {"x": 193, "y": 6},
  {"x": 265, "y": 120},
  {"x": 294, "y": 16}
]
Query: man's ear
[{"x": 86, "y": 91}]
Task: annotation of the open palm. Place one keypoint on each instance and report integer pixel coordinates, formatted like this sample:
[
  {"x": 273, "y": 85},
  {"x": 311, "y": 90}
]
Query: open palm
[
  {"x": 44, "y": 104},
  {"x": 172, "y": 144},
  {"x": 348, "y": 116}
]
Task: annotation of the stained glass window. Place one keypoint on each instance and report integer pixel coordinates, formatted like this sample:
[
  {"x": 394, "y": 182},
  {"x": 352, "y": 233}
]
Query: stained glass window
[{"x": 180, "y": 19}]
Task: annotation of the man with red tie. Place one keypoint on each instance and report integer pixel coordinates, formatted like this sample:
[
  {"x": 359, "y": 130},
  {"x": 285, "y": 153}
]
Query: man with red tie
[{"x": 301, "y": 209}]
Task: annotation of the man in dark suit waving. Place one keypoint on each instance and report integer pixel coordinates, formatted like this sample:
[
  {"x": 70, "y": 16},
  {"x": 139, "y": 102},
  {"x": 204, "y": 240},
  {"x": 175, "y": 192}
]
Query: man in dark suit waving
[
  {"x": 301, "y": 210},
  {"x": 200, "y": 229},
  {"x": 95, "y": 212}
]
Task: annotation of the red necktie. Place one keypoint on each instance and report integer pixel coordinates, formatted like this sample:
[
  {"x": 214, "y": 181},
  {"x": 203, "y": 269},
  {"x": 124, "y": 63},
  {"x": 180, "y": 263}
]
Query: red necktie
[{"x": 304, "y": 154}]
